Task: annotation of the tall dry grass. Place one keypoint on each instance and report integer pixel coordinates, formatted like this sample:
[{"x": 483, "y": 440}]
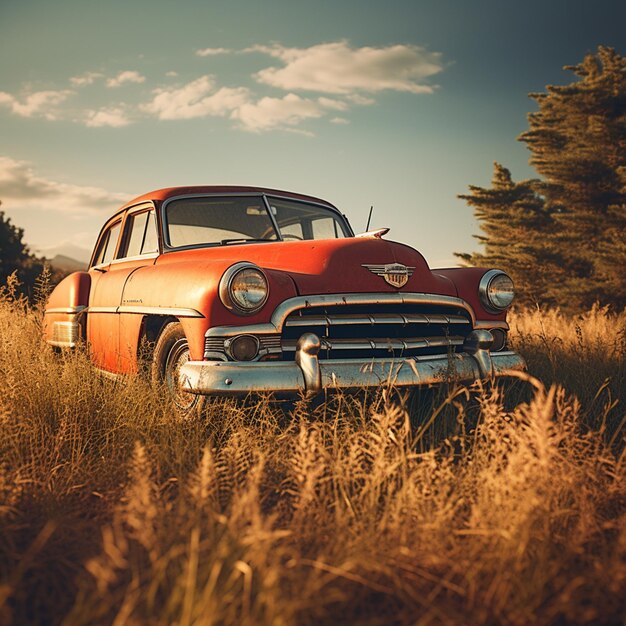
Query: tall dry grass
[{"x": 114, "y": 512}]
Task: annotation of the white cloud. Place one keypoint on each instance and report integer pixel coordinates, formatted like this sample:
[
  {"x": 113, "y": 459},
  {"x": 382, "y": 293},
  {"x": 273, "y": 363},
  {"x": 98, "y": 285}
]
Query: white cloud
[
  {"x": 335, "y": 105},
  {"x": 37, "y": 104},
  {"x": 88, "y": 78},
  {"x": 21, "y": 187},
  {"x": 171, "y": 74},
  {"x": 339, "y": 69},
  {"x": 115, "y": 117},
  {"x": 356, "y": 98},
  {"x": 277, "y": 113},
  {"x": 195, "y": 99},
  {"x": 209, "y": 52},
  {"x": 339, "y": 120},
  {"x": 127, "y": 76}
]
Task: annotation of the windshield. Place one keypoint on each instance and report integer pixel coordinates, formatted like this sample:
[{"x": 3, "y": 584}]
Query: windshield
[{"x": 231, "y": 219}]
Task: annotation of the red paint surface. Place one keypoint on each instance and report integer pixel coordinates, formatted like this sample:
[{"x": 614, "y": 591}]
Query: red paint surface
[{"x": 190, "y": 278}]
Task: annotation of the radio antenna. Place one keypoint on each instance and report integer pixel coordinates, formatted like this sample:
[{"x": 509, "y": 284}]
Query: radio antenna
[{"x": 369, "y": 218}]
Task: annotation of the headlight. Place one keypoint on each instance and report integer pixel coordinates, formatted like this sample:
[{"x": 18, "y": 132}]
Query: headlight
[
  {"x": 243, "y": 288},
  {"x": 496, "y": 291}
]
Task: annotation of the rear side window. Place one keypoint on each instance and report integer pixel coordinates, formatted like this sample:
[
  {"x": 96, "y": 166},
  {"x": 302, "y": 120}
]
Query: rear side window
[
  {"x": 141, "y": 234},
  {"x": 108, "y": 243}
]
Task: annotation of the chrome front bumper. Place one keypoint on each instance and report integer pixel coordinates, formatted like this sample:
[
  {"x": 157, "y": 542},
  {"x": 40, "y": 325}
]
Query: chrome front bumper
[{"x": 310, "y": 375}]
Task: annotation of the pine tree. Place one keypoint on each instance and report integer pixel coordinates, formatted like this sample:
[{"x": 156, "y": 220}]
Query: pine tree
[
  {"x": 577, "y": 140},
  {"x": 16, "y": 257},
  {"x": 511, "y": 215},
  {"x": 578, "y": 144}
]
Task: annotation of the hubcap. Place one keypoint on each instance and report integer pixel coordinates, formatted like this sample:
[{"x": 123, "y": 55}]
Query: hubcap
[{"x": 178, "y": 356}]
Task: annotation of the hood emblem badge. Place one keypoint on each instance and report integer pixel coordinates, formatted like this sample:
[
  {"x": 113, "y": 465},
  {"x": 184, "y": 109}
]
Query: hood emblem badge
[{"x": 396, "y": 274}]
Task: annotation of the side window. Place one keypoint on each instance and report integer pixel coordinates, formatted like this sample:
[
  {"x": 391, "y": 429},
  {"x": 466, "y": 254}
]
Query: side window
[
  {"x": 141, "y": 234},
  {"x": 108, "y": 245},
  {"x": 150, "y": 241},
  {"x": 325, "y": 228},
  {"x": 293, "y": 231}
]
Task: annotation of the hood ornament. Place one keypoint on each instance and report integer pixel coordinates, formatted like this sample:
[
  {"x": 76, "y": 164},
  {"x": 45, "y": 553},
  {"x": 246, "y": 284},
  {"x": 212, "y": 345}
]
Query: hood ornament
[{"x": 396, "y": 274}]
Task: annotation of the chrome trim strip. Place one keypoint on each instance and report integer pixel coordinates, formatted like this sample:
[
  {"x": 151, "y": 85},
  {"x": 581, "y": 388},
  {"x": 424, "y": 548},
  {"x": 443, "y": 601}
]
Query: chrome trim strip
[
  {"x": 380, "y": 344},
  {"x": 160, "y": 310},
  {"x": 109, "y": 375},
  {"x": 375, "y": 318},
  {"x": 284, "y": 309},
  {"x": 146, "y": 310},
  {"x": 61, "y": 344},
  {"x": 70, "y": 310},
  {"x": 487, "y": 325},
  {"x": 102, "y": 309}
]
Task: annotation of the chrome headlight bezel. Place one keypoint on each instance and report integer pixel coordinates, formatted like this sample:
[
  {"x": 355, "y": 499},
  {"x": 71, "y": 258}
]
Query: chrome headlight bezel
[
  {"x": 227, "y": 296},
  {"x": 485, "y": 294}
]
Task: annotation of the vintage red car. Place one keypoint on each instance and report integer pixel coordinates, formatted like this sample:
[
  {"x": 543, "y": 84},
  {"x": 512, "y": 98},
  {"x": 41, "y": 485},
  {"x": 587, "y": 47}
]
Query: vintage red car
[{"x": 245, "y": 289}]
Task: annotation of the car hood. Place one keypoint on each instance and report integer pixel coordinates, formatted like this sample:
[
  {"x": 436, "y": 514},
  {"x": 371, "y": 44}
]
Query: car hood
[{"x": 339, "y": 265}]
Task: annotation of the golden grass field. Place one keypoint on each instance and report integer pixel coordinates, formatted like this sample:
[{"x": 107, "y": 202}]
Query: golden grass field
[{"x": 495, "y": 505}]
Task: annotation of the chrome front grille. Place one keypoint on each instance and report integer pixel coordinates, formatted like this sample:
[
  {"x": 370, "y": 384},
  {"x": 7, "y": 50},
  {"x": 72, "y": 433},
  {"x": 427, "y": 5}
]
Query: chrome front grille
[
  {"x": 356, "y": 326},
  {"x": 381, "y": 330}
]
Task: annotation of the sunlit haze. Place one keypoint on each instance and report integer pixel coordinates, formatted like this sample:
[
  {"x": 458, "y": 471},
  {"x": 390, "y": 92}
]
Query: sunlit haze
[{"x": 400, "y": 105}]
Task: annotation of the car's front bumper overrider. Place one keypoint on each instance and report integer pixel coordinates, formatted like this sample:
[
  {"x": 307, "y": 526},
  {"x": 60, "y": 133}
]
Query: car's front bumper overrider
[{"x": 308, "y": 374}]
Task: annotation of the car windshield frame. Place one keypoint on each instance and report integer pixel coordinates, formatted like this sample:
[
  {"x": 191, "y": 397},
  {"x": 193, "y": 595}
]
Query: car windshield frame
[{"x": 265, "y": 199}]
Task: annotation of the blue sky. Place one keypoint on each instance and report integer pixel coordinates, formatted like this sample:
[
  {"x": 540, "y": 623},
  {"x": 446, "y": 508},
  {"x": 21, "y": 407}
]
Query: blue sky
[{"x": 397, "y": 104}]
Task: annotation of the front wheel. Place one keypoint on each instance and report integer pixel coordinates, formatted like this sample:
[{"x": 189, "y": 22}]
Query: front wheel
[{"x": 170, "y": 354}]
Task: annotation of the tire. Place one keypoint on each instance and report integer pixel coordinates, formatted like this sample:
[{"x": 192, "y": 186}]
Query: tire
[{"x": 170, "y": 353}]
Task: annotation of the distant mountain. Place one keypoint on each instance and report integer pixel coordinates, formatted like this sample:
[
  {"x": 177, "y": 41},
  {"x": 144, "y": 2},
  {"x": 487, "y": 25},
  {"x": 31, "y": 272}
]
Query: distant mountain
[
  {"x": 67, "y": 250},
  {"x": 67, "y": 264}
]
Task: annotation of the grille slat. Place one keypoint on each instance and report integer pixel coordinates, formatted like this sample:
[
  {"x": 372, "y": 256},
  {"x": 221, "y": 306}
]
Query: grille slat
[
  {"x": 378, "y": 344},
  {"x": 360, "y": 331},
  {"x": 301, "y": 321}
]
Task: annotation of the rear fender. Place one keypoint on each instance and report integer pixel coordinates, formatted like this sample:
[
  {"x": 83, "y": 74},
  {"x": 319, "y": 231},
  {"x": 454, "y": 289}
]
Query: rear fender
[{"x": 63, "y": 317}]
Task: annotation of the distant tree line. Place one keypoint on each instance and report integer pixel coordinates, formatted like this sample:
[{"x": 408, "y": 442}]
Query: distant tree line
[
  {"x": 562, "y": 236},
  {"x": 15, "y": 257}
]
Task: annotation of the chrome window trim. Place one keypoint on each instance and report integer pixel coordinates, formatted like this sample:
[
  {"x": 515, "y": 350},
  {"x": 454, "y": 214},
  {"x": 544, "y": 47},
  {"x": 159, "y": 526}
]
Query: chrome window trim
[
  {"x": 121, "y": 213},
  {"x": 167, "y": 247},
  {"x": 319, "y": 204},
  {"x": 139, "y": 257},
  {"x": 268, "y": 208},
  {"x": 109, "y": 224},
  {"x": 142, "y": 207},
  {"x": 284, "y": 309}
]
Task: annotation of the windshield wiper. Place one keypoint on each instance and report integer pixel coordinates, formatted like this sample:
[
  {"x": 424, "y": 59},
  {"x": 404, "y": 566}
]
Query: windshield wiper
[{"x": 225, "y": 242}]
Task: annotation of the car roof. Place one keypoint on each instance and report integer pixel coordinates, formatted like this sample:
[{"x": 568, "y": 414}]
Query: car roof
[{"x": 160, "y": 195}]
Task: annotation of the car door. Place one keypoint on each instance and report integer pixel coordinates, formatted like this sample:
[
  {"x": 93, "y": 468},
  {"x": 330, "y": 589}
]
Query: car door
[
  {"x": 102, "y": 312},
  {"x": 136, "y": 247},
  {"x": 139, "y": 249}
]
